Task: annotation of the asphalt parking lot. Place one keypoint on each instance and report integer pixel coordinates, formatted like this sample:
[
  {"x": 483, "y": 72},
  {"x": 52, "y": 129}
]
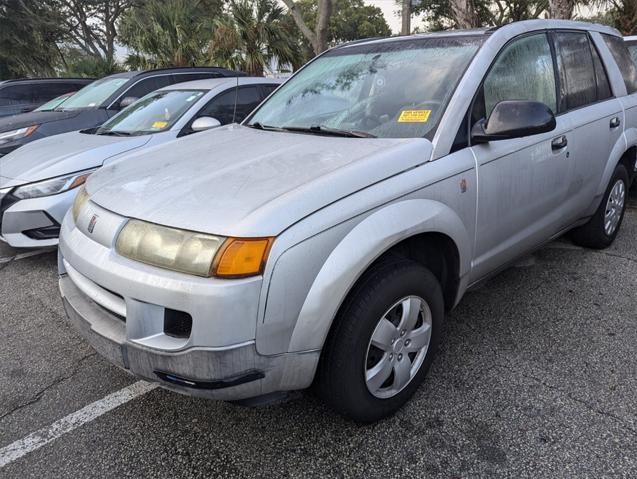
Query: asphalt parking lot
[{"x": 537, "y": 378}]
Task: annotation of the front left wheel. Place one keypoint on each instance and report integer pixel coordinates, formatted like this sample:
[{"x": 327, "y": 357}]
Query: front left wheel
[{"x": 383, "y": 341}]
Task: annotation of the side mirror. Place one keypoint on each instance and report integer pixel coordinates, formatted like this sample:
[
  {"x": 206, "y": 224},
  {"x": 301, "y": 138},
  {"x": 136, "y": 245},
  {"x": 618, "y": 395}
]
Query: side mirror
[
  {"x": 204, "y": 123},
  {"x": 127, "y": 101},
  {"x": 514, "y": 119}
]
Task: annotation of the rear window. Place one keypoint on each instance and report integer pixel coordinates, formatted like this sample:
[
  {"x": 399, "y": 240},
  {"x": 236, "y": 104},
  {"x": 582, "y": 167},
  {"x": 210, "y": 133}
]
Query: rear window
[{"x": 625, "y": 62}]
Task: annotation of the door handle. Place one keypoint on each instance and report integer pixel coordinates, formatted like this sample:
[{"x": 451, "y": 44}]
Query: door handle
[
  {"x": 615, "y": 122},
  {"x": 559, "y": 142}
]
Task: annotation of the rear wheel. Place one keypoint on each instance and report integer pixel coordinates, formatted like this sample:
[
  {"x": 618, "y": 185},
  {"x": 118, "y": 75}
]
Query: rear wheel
[
  {"x": 383, "y": 341},
  {"x": 601, "y": 230}
]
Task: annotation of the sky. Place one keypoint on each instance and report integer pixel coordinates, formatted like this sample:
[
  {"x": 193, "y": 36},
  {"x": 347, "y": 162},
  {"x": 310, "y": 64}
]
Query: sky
[{"x": 391, "y": 11}]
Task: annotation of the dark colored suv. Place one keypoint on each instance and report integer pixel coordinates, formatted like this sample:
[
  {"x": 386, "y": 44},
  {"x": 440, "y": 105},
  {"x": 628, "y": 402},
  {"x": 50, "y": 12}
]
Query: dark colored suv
[
  {"x": 21, "y": 96},
  {"x": 96, "y": 103}
]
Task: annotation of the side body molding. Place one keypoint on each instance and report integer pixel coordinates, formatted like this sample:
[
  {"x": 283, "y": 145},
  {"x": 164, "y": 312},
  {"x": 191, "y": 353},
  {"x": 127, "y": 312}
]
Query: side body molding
[{"x": 362, "y": 245}]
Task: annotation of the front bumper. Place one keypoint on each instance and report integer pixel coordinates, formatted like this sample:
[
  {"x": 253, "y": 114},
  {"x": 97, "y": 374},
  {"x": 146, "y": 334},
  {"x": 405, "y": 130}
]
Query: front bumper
[
  {"x": 120, "y": 306},
  {"x": 34, "y": 223}
]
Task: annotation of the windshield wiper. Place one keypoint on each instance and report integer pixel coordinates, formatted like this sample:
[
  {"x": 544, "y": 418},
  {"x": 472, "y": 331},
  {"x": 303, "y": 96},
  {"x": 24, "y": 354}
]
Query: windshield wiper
[
  {"x": 114, "y": 133},
  {"x": 324, "y": 130},
  {"x": 260, "y": 126}
]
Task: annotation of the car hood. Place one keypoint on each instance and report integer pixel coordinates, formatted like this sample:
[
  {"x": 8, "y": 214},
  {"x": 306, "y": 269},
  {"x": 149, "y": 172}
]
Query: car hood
[
  {"x": 239, "y": 181},
  {"x": 35, "y": 118},
  {"x": 60, "y": 154}
]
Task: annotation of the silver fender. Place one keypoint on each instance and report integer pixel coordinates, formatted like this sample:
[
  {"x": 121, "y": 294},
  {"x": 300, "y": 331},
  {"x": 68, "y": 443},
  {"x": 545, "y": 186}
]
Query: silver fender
[
  {"x": 626, "y": 141},
  {"x": 359, "y": 248}
]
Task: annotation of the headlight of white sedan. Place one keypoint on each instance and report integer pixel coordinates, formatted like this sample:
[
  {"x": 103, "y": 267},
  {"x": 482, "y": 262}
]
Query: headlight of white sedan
[
  {"x": 13, "y": 135},
  {"x": 52, "y": 186}
]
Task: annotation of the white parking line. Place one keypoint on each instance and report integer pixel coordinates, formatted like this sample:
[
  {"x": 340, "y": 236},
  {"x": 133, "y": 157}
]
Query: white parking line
[
  {"x": 25, "y": 255},
  {"x": 43, "y": 436}
]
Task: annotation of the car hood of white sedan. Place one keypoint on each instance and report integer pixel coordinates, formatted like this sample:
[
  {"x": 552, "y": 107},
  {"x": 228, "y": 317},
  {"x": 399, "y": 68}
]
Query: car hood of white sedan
[
  {"x": 239, "y": 181},
  {"x": 61, "y": 154}
]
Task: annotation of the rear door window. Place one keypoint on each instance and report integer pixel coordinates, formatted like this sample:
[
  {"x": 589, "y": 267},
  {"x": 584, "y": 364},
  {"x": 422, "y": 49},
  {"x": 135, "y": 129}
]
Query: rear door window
[
  {"x": 578, "y": 85},
  {"x": 625, "y": 62}
]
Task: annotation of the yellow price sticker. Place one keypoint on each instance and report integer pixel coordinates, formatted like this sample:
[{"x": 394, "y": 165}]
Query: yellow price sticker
[
  {"x": 414, "y": 116},
  {"x": 160, "y": 124}
]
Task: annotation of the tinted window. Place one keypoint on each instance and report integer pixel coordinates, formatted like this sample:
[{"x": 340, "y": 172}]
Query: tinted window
[
  {"x": 523, "y": 71},
  {"x": 221, "y": 107},
  {"x": 247, "y": 100},
  {"x": 17, "y": 93},
  {"x": 603, "y": 85},
  {"x": 625, "y": 62},
  {"x": 147, "y": 85},
  {"x": 46, "y": 91},
  {"x": 578, "y": 86},
  {"x": 267, "y": 89}
]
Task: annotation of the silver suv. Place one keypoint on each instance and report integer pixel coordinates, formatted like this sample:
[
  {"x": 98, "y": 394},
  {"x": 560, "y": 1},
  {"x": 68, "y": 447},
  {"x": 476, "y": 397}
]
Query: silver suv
[{"x": 321, "y": 242}]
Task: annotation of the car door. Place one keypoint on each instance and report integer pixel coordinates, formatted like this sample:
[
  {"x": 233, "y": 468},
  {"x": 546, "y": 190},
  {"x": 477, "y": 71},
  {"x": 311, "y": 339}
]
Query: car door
[
  {"x": 522, "y": 182},
  {"x": 586, "y": 102}
]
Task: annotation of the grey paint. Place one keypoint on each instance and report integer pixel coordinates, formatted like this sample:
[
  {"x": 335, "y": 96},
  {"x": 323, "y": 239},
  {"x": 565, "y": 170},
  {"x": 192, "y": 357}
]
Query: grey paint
[{"x": 335, "y": 205}]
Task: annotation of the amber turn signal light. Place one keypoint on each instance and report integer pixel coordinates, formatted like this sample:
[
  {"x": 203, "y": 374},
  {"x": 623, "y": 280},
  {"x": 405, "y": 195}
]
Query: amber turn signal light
[{"x": 241, "y": 257}]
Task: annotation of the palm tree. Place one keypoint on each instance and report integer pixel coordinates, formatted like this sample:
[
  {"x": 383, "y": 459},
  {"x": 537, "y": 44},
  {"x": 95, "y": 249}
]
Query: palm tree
[
  {"x": 252, "y": 36},
  {"x": 166, "y": 33}
]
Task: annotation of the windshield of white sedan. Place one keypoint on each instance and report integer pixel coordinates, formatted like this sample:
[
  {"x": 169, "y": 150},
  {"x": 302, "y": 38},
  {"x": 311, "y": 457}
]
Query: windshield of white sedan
[
  {"x": 393, "y": 89},
  {"x": 157, "y": 111},
  {"x": 93, "y": 94}
]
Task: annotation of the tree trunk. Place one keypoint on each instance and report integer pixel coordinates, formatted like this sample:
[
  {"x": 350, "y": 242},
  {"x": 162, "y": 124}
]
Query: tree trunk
[
  {"x": 561, "y": 9},
  {"x": 463, "y": 13},
  {"x": 406, "y": 18},
  {"x": 318, "y": 36},
  {"x": 322, "y": 25}
]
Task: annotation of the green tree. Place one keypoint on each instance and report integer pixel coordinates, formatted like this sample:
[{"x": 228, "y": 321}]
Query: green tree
[
  {"x": 29, "y": 36},
  {"x": 351, "y": 20},
  {"x": 164, "y": 33},
  {"x": 445, "y": 14},
  {"x": 252, "y": 36}
]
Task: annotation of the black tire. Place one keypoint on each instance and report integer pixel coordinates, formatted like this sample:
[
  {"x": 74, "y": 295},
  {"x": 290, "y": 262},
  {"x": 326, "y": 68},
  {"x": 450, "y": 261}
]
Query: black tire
[
  {"x": 340, "y": 379},
  {"x": 593, "y": 234}
]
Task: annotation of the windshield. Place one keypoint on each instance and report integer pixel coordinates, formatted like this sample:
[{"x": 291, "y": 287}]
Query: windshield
[
  {"x": 395, "y": 89},
  {"x": 53, "y": 104},
  {"x": 157, "y": 111},
  {"x": 94, "y": 94}
]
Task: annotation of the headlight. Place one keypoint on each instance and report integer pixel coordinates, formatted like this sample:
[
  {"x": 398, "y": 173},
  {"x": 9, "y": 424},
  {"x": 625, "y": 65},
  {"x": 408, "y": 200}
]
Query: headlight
[
  {"x": 193, "y": 253},
  {"x": 80, "y": 200},
  {"x": 14, "y": 135},
  {"x": 52, "y": 186}
]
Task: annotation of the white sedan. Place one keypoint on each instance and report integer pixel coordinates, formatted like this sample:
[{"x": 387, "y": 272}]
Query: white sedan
[{"x": 39, "y": 181}]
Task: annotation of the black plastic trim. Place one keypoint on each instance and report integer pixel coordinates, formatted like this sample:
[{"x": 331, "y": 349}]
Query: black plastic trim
[{"x": 246, "y": 377}]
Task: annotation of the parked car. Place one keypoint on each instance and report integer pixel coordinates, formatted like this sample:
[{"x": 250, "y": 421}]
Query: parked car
[
  {"x": 321, "y": 241},
  {"x": 96, "y": 103},
  {"x": 41, "y": 179},
  {"x": 21, "y": 96}
]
